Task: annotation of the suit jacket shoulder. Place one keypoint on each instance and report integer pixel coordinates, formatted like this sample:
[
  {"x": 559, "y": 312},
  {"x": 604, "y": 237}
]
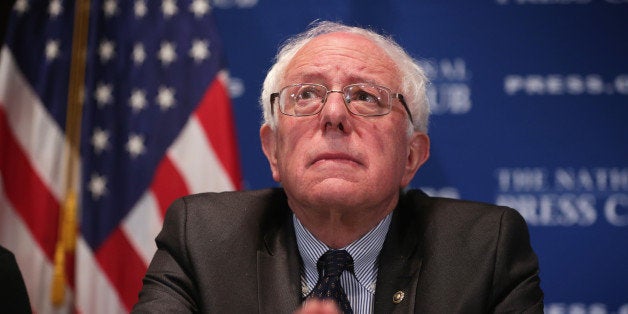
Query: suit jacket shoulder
[
  {"x": 215, "y": 252},
  {"x": 457, "y": 256}
]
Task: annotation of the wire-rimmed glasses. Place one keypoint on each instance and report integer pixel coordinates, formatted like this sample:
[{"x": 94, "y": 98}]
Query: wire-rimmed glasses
[{"x": 362, "y": 99}]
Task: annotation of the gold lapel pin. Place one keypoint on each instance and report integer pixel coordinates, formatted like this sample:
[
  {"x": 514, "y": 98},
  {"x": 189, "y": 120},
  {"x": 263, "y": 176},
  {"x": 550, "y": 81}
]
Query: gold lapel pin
[{"x": 398, "y": 297}]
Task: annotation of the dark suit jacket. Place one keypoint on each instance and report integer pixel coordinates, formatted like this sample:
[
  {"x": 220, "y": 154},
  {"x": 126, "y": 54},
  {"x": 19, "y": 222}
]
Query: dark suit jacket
[
  {"x": 13, "y": 295},
  {"x": 236, "y": 252}
]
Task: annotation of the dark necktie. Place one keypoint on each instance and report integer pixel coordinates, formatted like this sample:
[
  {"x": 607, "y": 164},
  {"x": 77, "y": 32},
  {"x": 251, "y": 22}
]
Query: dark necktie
[{"x": 330, "y": 267}]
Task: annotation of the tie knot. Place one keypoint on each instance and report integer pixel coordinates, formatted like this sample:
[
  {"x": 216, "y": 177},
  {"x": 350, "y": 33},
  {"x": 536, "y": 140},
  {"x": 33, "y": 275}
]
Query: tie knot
[{"x": 334, "y": 262}]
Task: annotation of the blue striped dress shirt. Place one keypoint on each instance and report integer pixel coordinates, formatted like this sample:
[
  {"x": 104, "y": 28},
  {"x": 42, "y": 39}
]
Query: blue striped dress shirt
[{"x": 360, "y": 286}]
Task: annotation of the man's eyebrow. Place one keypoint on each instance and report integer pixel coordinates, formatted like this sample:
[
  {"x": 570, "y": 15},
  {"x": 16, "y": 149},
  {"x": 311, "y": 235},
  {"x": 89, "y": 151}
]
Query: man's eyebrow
[
  {"x": 319, "y": 78},
  {"x": 311, "y": 77}
]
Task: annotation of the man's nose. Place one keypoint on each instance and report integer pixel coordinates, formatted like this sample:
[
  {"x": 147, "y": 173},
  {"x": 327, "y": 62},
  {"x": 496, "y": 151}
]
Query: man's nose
[
  {"x": 335, "y": 101},
  {"x": 335, "y": 113}
]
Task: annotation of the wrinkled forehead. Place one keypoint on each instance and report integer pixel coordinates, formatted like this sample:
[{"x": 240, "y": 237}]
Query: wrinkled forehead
[{"x": 343, "y": 58}]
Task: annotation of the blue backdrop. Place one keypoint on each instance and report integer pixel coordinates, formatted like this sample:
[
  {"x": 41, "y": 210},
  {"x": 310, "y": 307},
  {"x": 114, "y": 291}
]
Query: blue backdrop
[{"x": 530, "y": 103}]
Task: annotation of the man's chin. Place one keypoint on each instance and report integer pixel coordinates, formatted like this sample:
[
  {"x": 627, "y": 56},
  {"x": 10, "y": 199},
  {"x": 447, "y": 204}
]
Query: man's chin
[{"x": 335, "y": 190}]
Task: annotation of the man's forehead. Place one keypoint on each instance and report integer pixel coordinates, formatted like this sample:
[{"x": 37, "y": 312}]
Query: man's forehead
[
  {"x": 339, "y": 37},
  {"x": 361, "y": 59},
  {"x": 343, "y": 41}
]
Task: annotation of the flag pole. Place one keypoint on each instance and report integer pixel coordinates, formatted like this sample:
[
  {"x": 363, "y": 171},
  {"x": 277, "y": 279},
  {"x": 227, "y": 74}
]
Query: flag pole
[{"x": 66, "y": 239}]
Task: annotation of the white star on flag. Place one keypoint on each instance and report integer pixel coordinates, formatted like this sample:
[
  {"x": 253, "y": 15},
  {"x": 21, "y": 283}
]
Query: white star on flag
[
  {"x": 135, "y": 145},
  {"x": 139, "y": 54},
  {"x": 103, "y": 94},
  {"x": 167, "y": 53},
  {"x": 165, "y": 98},
  {"x": 52, "y": 49},
  {"x": 139, "y": 8},
  {"x": 110, "y": 7},
  {"x": 100, "y": 140},
  {"x": 137, "y": 100},
  {"x": 97, "y": 185},
  {"x": 199, "y": 8},
  {"x": 106, "y": 50},
  {"x": 21, "y": 6},
  {"x": 55, "y": 8},
  {"x": 200, "y": 50},
  {"x": 169, "y": 8}
]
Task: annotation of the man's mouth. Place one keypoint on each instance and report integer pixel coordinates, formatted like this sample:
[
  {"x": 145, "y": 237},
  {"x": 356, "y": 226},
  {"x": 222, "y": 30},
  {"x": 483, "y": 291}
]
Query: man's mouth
[{"x": 336, "y": 157}]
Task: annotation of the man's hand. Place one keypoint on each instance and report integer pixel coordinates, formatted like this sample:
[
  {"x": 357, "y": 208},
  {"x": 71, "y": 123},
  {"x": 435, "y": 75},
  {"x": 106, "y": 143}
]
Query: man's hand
[{"x": 315, "y": 306}]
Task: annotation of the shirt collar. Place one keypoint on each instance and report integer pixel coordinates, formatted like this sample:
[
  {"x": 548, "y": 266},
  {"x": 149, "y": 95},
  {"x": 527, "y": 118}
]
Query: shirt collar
[{"x": 364, "y": 252}]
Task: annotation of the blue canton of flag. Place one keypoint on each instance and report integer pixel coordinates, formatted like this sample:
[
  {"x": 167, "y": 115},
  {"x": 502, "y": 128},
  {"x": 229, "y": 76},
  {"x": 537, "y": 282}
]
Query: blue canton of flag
[{"x": 150, "y": 64}]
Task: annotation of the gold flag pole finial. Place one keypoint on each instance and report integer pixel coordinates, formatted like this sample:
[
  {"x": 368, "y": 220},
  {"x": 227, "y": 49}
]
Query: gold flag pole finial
[{"x": 66, "y": 239}]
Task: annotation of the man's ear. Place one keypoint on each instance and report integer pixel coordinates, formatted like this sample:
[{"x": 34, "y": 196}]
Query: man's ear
[
  {"x": 269, "y": 146},
  {"x": 418, "y": 153}
]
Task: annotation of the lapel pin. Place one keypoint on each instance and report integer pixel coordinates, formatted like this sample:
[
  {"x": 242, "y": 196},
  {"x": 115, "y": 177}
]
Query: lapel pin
[{"x": 398, "y": 297}]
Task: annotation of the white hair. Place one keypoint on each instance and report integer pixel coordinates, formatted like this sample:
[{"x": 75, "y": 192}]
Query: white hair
[{"x": 413, "y": 79}]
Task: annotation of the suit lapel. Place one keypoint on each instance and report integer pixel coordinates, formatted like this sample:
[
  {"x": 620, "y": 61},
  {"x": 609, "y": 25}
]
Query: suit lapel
[
  {"x": 400, "y": 261},
  {"x": 278, "y": 263}
]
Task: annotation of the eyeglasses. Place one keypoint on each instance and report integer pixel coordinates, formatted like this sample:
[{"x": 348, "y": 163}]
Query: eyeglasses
[{"x": 362, "y": 99}]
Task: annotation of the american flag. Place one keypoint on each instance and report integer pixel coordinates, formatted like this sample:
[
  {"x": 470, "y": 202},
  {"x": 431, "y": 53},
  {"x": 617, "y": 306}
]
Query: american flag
[{"x": 109, "y": 110}]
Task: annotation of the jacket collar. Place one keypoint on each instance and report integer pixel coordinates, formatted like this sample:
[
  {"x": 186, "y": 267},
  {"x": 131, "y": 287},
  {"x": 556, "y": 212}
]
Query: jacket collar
[
  {"x": 401, "y": 257},
  {"x": 278, "y": 261}
]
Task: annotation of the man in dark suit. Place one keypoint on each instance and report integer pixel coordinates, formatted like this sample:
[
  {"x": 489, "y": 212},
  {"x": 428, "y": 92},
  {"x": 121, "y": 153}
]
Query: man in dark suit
[{"x": 345, "y": 131}]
